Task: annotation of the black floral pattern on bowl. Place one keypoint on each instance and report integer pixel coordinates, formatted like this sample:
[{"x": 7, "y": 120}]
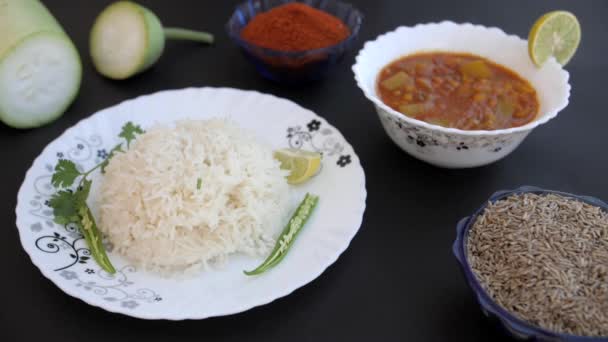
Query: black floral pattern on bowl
[{"x": 422, "y": 137}]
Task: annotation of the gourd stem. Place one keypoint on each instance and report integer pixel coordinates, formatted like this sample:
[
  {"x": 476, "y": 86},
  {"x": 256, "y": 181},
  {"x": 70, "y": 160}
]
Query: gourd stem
[{"x": 183, "y": 34}]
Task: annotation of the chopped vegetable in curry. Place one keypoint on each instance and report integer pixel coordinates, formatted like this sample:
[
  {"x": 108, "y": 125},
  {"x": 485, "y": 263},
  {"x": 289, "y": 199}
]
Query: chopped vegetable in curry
[{"x": 457, "y": 90}]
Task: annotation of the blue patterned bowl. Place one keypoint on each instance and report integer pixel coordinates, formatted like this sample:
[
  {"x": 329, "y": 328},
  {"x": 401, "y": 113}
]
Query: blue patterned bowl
[
  {"x": 294, "y": 67},
  {"x": 515, "y": 326}
]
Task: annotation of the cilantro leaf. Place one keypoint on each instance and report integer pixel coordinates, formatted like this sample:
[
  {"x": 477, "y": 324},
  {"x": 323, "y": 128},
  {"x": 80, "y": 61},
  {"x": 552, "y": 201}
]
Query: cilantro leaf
[
  {"x": 104, "y": 164},
  {"x": 129, "y": 132},
  {"x": 71, "y": 206},
  {"x": 65, "y": 174},
  {"x": 64, "y": 207},
  {"x": 66, "y": 204}
]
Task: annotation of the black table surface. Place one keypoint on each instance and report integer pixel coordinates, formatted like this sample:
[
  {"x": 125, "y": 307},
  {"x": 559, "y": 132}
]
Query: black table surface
[{"x": 398, "y": 279}]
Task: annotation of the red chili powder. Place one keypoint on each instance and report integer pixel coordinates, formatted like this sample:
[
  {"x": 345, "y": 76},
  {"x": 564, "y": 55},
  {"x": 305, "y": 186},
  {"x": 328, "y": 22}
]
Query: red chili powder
[{"x": 294, "y": 27}]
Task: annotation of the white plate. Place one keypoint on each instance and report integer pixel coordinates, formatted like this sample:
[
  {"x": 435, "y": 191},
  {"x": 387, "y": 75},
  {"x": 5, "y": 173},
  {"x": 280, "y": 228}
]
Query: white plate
[{"x": 62, "y": 256}]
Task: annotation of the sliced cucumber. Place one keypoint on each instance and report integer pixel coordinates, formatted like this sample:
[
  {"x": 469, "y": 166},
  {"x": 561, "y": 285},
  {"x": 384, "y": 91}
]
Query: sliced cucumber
[
  {"x": 38, "y": 80},
  {"x": 128, "y": 38},
  {"x": 40, "y": 69}
]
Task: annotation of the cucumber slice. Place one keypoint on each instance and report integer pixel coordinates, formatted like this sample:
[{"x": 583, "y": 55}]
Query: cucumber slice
[
  {"x": 40, "y": 69},
  {"x": 128, "y": 38},
  {"x": 39, "y": 79}
]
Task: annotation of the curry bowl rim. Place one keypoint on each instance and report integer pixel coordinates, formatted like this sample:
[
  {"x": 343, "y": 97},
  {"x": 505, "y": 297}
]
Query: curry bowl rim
[{"x": 401, "y": 33}]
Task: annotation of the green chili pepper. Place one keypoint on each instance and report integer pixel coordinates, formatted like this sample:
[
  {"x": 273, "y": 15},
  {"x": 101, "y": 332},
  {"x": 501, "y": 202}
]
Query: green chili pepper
[
  {"x": 291, "y": 230},
  {"x": 92, "y": 236},
  {"x": 70, "y": 206}
]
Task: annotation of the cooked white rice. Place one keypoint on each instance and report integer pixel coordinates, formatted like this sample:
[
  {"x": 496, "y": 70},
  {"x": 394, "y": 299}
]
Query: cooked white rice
[{"x": 191, "y": 194}]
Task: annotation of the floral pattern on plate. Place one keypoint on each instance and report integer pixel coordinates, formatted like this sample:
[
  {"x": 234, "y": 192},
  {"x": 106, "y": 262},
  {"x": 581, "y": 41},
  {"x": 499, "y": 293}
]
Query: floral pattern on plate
[
  {"x": 67, "y": 242},
  {"x": 317, "y": 140}
]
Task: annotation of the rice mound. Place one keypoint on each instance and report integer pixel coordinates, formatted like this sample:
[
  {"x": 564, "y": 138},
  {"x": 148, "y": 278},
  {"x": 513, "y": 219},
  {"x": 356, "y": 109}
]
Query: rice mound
[{"x": 185, "y": 196}]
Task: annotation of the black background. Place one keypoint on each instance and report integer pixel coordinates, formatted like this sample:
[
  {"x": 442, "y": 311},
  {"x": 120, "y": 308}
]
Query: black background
[{"x": 398, "y": 279}]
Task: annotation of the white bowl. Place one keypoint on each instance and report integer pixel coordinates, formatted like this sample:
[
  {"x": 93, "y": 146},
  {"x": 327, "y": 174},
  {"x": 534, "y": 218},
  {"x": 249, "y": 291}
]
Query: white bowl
[{"x": 451, "y": 147}]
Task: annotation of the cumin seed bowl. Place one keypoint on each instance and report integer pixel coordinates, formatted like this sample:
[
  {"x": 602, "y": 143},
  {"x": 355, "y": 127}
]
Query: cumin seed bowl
[
  {"x": 516, "y": 326},
  {"x": 294, "y": 67},
  {"x": 451, "y": 147}
]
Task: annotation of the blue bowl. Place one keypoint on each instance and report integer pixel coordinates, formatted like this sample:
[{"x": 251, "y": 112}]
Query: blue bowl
[
  {"x": 515, "y": 326},
  {"x": 294, "y": 67}
]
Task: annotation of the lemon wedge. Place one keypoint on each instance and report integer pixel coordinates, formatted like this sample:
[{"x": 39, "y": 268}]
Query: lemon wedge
[
  {"x": 302, "y": 164},
  {"x": 556, "y": 34}
]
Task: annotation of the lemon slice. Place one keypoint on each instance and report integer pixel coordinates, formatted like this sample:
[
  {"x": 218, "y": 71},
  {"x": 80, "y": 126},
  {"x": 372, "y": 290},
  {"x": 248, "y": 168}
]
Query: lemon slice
[
  {"x": 556, "y": 34},
  {"x": 302, "y": 164}
]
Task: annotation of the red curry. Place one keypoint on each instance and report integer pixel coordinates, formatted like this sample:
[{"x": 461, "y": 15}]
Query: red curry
[{"x": 457, "y": 90}]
